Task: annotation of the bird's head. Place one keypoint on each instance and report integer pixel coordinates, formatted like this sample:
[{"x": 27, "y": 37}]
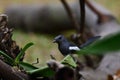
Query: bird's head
[{"x": 59, "y": 39}]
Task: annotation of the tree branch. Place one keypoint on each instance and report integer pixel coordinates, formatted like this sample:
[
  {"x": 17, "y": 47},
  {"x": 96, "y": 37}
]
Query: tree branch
[
  {"x": 8, "y": 73},
  {"x": 101, "y": 17},
  {"x": 82, "y": 18},
  {"x": 71, "y": 15}
]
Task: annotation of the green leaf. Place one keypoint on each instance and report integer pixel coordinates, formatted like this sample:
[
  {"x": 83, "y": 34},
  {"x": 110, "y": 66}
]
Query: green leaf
[
  {"x": 27, "y": 66},
  {"x": 110, "y": 43},
  {"x": 42, "y": 72},
  {"x": 9, "y": 59},
  {"x": 69, "y": 61},
  {"x": 21, "y": 54},
  {"x": 47, "y": 72}
]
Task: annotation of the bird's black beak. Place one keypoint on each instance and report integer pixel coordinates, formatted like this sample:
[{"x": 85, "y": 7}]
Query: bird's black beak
[{"x": 54, "y": 41}]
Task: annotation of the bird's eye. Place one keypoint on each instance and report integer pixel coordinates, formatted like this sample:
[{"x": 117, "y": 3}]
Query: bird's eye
[{"x": 60, "y": 37}]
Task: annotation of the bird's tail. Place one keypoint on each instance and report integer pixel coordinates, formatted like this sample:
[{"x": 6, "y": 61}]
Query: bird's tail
[{"x": 90, "y": 41}]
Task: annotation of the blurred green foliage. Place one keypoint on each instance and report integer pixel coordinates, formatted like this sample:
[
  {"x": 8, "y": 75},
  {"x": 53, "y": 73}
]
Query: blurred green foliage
[{"x": 108, "y": 44}]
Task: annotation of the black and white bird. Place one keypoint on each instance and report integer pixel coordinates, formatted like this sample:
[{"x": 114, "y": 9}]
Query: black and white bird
[{"x": 67, "y": 47}]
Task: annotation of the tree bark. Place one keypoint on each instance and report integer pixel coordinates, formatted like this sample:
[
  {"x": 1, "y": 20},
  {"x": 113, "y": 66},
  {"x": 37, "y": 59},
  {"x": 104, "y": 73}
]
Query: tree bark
[
  {"x": 9, "y": 73},
  {"x": 50, "y": 18}
]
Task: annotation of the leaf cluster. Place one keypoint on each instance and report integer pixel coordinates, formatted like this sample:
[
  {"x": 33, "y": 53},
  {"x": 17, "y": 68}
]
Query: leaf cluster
[{"x": 104, "y": 45}]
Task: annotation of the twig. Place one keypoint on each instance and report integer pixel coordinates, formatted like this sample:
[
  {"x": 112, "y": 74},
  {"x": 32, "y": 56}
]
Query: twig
[
  {"x": 82, "y": 18},
  {"x": 37, "y": 61},
  {"x": 101, "y": 17},
  {"x": 71, "y": 15},
  {"x": 93, "y": 8},
  {"x": 80, "y": 30},
  {"x": 52, "y": 57}
]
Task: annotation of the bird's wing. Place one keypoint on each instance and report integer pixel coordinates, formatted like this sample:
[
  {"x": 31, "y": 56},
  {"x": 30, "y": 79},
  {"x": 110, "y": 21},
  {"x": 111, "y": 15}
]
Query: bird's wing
[
  {"x": 73, "y": 47},
  {"x": 90, "y": 41}
]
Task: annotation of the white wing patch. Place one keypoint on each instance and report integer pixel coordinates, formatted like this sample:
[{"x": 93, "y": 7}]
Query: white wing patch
[{"x": 74, "y": 48}]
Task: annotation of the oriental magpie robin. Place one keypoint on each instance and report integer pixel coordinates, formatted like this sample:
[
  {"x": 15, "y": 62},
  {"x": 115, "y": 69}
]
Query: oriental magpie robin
[{"x": 67, "y": 47}]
